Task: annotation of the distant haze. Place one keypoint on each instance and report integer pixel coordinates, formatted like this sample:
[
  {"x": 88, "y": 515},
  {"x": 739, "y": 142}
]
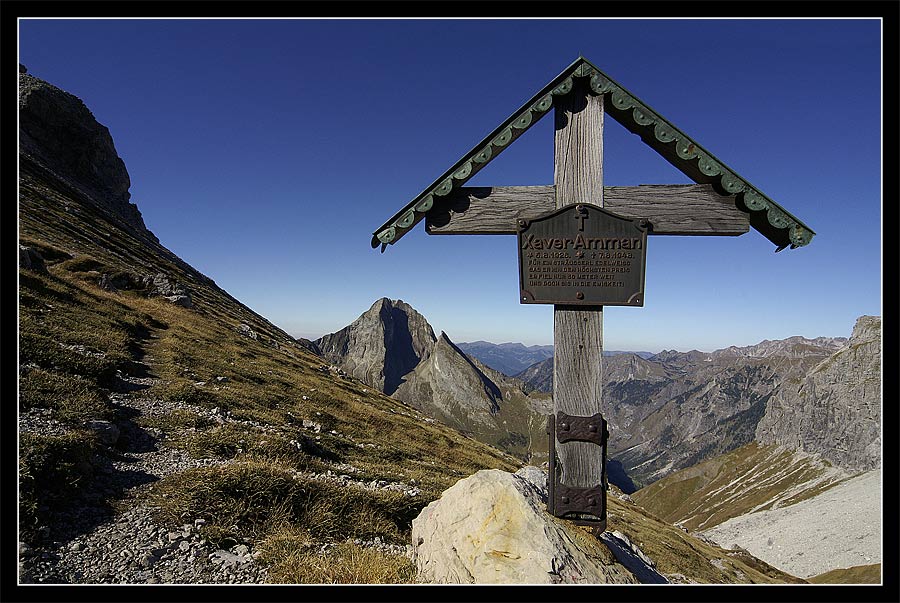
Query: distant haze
[{"x": 513, "y": 358}]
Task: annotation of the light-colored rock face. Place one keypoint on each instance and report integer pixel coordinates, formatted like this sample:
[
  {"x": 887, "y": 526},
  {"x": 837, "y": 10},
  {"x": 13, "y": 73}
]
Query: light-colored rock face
[
  {"x": 839, "y": 528},
  {"x": 381, "y": 346},
  {"x": 450, "y": 386},
  {"x": 835, "y": 410},
  {"x": 492, "y": 528}
]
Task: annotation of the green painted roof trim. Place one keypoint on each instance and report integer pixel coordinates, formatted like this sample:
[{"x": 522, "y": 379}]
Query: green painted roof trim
[{"x": 769, "y": 218}]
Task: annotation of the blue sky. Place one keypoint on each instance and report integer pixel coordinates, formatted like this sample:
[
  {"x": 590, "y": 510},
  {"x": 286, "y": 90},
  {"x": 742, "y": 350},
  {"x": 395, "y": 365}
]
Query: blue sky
[{"x": 266, "y": 152}]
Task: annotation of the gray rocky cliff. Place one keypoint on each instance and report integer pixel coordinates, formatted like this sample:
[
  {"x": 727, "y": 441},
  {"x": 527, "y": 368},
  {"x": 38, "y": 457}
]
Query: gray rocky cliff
[
  {"x": 834, "y": 410},
  {"x": 381, "y": 346},
  {"x": 675, "y": 409},
  {"x": 451, "y": 387},
  {"x": 393, "y": 348},
  {"x": 59, "y": 134}
]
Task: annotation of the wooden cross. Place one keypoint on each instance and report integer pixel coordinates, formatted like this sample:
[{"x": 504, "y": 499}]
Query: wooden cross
[{"x": 721, "y": 203}]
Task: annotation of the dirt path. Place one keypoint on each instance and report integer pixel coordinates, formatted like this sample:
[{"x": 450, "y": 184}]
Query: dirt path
[{"x": 110, "y": 534}]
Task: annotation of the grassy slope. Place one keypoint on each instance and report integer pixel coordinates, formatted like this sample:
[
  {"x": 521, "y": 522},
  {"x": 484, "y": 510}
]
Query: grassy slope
[
  {"x": 750, "y": 478},
  {"x": 75, "y": 336},
  {"x": 860, "y": 574},
  {"x": 677, "y": 553}
]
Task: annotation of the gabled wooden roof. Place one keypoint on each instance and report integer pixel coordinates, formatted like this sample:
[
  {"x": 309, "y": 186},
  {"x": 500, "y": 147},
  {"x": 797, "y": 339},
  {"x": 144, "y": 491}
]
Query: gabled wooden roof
[{"x": 698, "y": 164}]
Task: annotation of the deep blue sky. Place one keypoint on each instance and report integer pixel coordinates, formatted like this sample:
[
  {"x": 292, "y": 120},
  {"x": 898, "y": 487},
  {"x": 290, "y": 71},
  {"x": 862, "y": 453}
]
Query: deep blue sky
[{"x": 265, "y": 153}]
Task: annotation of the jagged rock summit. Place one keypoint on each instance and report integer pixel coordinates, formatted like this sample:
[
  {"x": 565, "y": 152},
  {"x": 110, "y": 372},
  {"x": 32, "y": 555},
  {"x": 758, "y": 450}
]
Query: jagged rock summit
[
  {"x": 381, "y": 346},
  {"x": 835, "y": 410},
  {"x": 60, "y": 134},
  {"x": 393, "y": 348}
]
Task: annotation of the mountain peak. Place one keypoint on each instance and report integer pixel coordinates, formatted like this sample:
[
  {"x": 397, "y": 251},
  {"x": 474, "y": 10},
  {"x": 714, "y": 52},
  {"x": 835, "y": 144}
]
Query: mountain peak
[
  {"x": 866, "y": 329},
  {"x": 59, "y": 134},
  {"x": 382, "y": 345}
]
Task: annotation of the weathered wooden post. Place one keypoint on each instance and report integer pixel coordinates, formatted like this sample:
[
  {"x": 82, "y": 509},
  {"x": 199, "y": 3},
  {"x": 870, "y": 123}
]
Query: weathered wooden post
[
  {"x": 583, "y": 245},
  {"x": 578, "y": 333}
]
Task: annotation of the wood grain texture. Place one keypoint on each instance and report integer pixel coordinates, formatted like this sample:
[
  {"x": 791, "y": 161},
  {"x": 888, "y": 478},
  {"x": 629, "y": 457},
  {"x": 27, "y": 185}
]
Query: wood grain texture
[
  {"x": 673, "y": 209},
  {"x": 578, "y": 333},
  {"x": 678, "y": 209}
]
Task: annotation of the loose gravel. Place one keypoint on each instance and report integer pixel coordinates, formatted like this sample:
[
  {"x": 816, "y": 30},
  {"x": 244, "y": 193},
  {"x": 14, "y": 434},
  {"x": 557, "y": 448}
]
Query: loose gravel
[
  {"x": 839, "y": 528},
  {"x": 92, "y": 543}
]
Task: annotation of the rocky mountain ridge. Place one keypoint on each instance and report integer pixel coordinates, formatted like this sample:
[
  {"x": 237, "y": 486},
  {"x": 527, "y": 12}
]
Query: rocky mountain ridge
[
  {"x": 58, "y": 134},
  {"x": 392, "y": 347},
  {"x": 381, "y": 346},
  {"x": 666, "y": 412},
  {"x": 674, "y": 409},
  {"x": 834, "y": 410},
  {"x": 508, "y": 358},
  {"x": 540, "y": 374},
  {"x": 518, "y": 360}
]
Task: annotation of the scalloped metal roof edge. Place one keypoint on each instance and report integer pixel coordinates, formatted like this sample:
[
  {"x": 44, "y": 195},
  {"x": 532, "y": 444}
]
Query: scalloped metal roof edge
[{"x": 674, "y": 145}]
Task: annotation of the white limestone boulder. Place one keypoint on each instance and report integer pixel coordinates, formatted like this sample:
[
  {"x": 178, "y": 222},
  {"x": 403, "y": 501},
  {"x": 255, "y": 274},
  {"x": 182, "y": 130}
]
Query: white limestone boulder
[{"x": 493, "y": 528}]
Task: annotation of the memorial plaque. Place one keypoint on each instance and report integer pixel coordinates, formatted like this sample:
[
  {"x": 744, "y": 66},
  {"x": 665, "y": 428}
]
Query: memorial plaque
[{"x": 582, "y": 255}]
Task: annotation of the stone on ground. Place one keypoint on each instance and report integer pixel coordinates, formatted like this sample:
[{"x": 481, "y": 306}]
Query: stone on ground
[{"x": 493, "y": 528}]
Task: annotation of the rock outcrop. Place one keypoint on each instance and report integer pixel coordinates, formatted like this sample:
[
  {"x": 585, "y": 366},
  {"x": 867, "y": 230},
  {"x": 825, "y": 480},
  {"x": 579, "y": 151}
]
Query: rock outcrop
[
  {"x": 493, "y": 528},
  {"x": 381, "y": 346},
  {"x": 449, "y": 385},
  {"x": 162, "y": 285},
  {"x": 835, "y": 410},
  {"x": 60, "y": 134},
  {"x": 31, "y": 259}
]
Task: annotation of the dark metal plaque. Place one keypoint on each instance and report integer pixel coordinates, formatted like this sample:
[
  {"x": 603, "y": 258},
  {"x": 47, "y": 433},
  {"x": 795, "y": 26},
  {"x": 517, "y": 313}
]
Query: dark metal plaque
[{"x": 582, "y": 255}]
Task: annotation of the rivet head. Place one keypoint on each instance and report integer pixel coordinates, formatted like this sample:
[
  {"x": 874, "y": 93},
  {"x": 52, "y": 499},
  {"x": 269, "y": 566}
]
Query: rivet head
[
  {"x": 592, "y": 428},
  {"x": 564, "y": 426},
  {"x": 591, "y": 502},
  {"x": 565, "y": 500},
  {"x": 579, "y": 295}
]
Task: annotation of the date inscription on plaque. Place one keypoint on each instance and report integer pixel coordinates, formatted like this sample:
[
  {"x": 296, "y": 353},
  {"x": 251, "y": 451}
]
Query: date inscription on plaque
[{"x": 582, "y": 255}]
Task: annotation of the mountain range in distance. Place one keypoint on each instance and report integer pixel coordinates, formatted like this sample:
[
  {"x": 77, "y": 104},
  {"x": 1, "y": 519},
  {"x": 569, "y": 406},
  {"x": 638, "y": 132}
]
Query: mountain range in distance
[
  {"x": 511, "y": 358},
  {"x": 666, "y": 412}
]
